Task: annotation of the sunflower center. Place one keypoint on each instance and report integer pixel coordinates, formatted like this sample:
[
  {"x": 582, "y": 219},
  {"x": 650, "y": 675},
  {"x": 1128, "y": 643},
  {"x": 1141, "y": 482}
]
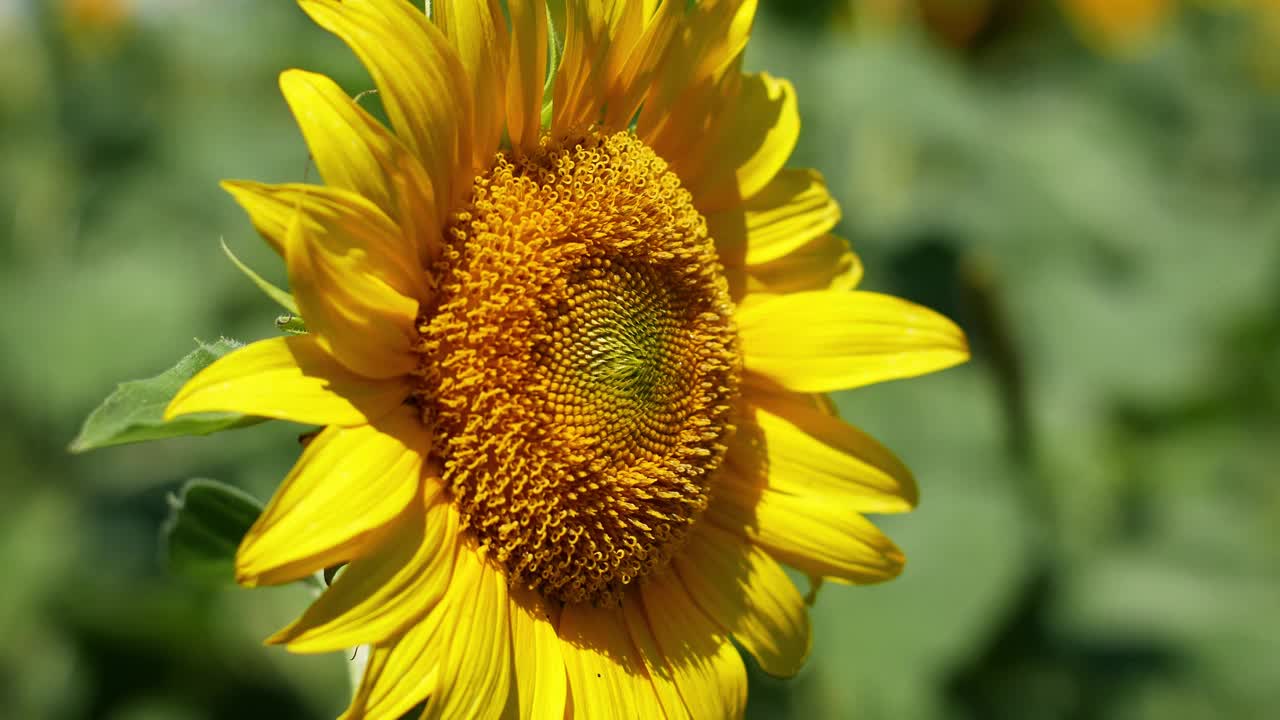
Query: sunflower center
[{"x": 579, "y": 365}]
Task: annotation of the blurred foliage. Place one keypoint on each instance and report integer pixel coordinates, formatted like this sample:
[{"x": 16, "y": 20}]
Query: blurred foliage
[{"x": 1100, "y": 529}]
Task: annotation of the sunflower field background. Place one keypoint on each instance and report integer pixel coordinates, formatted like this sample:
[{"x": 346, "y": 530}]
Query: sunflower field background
[{"x": 1092, "y": 189}]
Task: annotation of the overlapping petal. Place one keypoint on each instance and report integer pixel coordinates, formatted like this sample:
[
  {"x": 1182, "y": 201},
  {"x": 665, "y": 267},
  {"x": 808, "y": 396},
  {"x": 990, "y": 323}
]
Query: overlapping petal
[
  {"x": 457, "y": 658},
  {"x": 754, "y": 140},
  {"x": 694, "y": 653},
  {"x": 607, "y": 677},
  {"x": 808, "y": 532},
  {"x": 344, "y": 140},
  {"x": 379, "y": 595},
  {"x": 353, "y": 151},
  {"x": 579, "y": 80},
  {"x": 812, "y": 536},
  {"x": 612, "y": 48},
  {"x": 527, "y": 70},
  {"x": 789, "y": 212},
  {"x": 811, "y": 453},
  {"x": 726, "y": 134},
  {"x": 540, "y": 683},
  {"x": 288, "y": 378},
  {"x": 348, "y": 484},
  {"x": 342, "y": 217},
  {"x": 421, "y": 82},
  {"x": 747, "y": 593},
  {"x": 358, "y": 288},
  {"x": 665, "y": 686},
  {"x": 399, "y": 674},
  {"x": 796, "y": 481},
  {"x": 641, "y": 43},
  {"x": 824, "y": 263},
  {"x": 475, "y": 662},
  {"x": 825, "y": 341},
  {"x": 704, "y": 49},
  {"x": 685, "y": 139},
  {"x": 478, "y": 30}
]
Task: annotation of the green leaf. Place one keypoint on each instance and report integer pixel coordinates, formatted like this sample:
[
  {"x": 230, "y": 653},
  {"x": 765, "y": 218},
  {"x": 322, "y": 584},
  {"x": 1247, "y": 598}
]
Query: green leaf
[
  {"x": 207, "y": 520},
  {"x": 282, "y": 298},
  {"x": 135, "y": 411}
]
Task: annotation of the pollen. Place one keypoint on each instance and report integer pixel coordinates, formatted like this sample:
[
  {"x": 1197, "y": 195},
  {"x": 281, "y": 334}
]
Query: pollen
[{"x": 578, "y": 365}]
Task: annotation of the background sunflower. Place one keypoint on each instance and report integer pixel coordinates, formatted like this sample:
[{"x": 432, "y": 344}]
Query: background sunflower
[{"x": 1098, "y": 534}]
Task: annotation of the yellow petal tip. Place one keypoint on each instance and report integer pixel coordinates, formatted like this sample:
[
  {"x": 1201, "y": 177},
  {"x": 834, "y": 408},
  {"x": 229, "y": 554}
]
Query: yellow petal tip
[
  {"x": 282, "y": 636},
  {"x": 175, "y": 406},
  {"x": 246, "y": 575},
  {"x": 233, "y": 186},
  {"x": 897, "y": 560}
]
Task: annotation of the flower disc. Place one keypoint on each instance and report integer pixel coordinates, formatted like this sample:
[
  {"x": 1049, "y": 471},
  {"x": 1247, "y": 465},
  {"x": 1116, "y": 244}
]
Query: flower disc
[{"x": 579, "y": 365}]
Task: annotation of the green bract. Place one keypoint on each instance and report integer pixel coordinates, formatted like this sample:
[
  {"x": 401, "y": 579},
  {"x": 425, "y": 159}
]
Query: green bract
[{"x": 207, "y": 520}]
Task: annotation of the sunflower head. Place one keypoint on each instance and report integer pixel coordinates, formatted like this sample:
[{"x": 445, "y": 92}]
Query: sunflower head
[
  {"x": 578, "y": 364},
  {"x": 570, "y": 365}
]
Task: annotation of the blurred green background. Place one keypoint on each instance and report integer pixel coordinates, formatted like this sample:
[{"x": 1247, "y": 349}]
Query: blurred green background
[{"x": 1090, "y": 188}]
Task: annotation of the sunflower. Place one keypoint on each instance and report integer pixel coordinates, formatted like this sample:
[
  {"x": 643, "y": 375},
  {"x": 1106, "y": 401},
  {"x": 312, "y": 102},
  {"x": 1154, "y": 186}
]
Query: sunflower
[
  {"x": 569, "y": 365},
  {"x": 1111, "y": 26},
  {"x": 1118, "y": 24}
]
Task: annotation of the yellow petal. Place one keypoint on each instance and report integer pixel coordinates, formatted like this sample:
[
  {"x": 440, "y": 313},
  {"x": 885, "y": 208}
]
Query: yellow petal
[
  {"x": 288, "y": 378},
  {"x": 625, "y": 21},
  {"x": 662, "y": 677},
  {"x": 824, "y": 263},
  {"x": 807, "y": 532},
  {"x": 712, "y": 38},
  {"x": 348, "y": 484},
  {"x": 353, "y": 151},
  {"x": 607, "y": 679},
  {"x": 274, "y": 209},
  {"x": 825, "y": 341},
  {"x": 378, "y": 596},
  {"x": 527, "y": 72},
  {"x": 808, "y": 452},
  {"x": 399, "y": 675},
  {"x": 478, "y": 29},
  {"x": 579, "y": 80},
  {"x": 540, "y": 682},
  {"x": 351, "y": 281},
  {"x": 719, "y": 32},
  {"x": 637, "y": 54},
  {"x": 793, "y": 209},
  {"x": 683, "y": 136},
  {"x": 268, "y": 213},
  {"x": 421, "y": 82},
  {"x": 343, "y": 146},
  {"x": 754, "y": 140},
  {"x": 610, "y": 51},
  {"x": 475, "y": 669},
  {"x": 698, "y": 82},
  {"x": 606, "y": 51},
  {"x": 748, "y": 594},
  {"x": 1118, "y": 25},
  {"x": 459, "y": 653},
  {"x": 696, "y": 653}
]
